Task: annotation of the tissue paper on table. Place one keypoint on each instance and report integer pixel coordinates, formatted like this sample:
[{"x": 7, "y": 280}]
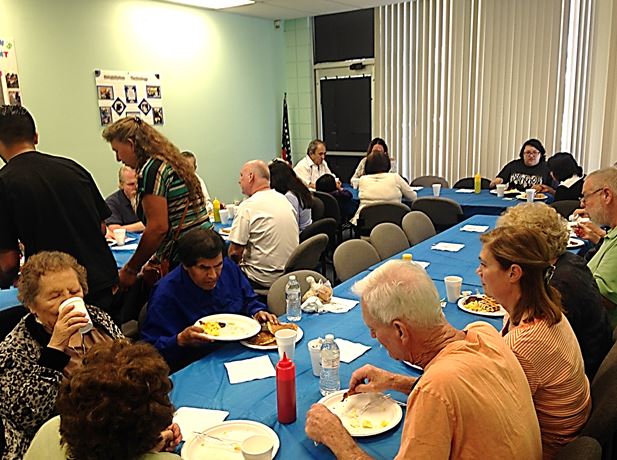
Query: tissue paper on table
[
  {"x": 350, "y": 350},
  {"x": 474, "y": 228},
  {"x": 464, "y": 190},
  {"x": 193, "y": 420},
  {"x": 451, "y": 247},
  {"x": 246, "y": 370},
  {"x": 336, "y": 305}
]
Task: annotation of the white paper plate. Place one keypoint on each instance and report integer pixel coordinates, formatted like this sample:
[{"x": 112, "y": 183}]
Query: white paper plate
[
  {"x": 384, "y": 414},
  {"x": 462, "y": 306},
  {"x": 575, "y": 243},
  {"x": 537, "y": 196},
  {"x": 272, "y": 346},
  {"x": 237, "y": 327},
  {"x": 201, "y": 447}
]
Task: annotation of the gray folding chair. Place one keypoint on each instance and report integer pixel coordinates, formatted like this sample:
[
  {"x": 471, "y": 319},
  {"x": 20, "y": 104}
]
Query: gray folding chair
[
  {"x": 388, "y": 239},
  {"x": 352, "y": 257},
  {"x": 582, "y": 448},
  {"x": 427, "y": 181},
  {"x": 276, "y": 294},
  {"x": 317, "y": 209},
  {"x": 307, "y": 255},
  {"x": 418, "y": 227},
  {"x": 377, "y": 213},
  {"x": 443, "y": 212}
]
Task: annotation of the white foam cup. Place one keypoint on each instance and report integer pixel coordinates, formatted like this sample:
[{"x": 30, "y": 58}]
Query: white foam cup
[
  {"x": 436, "y": 189},
  {"x": 501, "y": 189},
  {"x": 453, "y": 287},
  {"x": 224, "y": 213},
  {"x": 286, "y": 342},
  {"x": 314, "y": 347},
  {"x": 231, "y": 208},
  {"x": 531, "y": 193},
  {"x": 257, "y": 447},
  {"x": 78, "y": 305},
  {"x": 120, "y": 236}
]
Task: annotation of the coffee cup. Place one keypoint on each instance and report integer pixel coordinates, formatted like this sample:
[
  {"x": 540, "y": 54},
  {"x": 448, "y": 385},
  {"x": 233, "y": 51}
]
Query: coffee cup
[
  {"x": 231, "y": 208},
  {"x": 436, "y": 189},
  {"x": 531, "y": 193},
  {"x": 120, "y": 236},
  {"x": 314, "y": 347},
  {"x": 257, "y": 447},
  {"x": 224, "y": 214},
  {"x": 78, "y": 305},
  {"x": 453, "y": 287},
  {"x": 501, "y": 190},
  {"x": 286, "y": 342}
]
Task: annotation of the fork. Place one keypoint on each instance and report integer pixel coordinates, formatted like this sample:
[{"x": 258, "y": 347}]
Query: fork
[{"x": 233, "y": 443}]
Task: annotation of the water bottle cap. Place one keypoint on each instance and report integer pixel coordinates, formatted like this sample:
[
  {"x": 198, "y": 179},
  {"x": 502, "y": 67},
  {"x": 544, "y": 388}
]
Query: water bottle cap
[
  {"x": 292, "y": 277},
  {"x": 329, "y": 336}
]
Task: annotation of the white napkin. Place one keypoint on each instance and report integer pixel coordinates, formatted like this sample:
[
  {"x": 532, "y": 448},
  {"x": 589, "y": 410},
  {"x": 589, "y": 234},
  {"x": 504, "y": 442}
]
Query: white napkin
[
  {"x": 350, "y": 350},
  {"x": 464, "y": 190},
  {"x": 193, "y": 419},
  {"x": 246, "y": 370},
  {"x": 337, "y": 305},
  {"x": 451, "y": 247},
  {"x": 421, "y": 263},
  {"x": 474, "y": 228},
  {"x": 416, "y": 188},
  {"x": 111, "y": 242},
  {"x": 126, "y": 247}
]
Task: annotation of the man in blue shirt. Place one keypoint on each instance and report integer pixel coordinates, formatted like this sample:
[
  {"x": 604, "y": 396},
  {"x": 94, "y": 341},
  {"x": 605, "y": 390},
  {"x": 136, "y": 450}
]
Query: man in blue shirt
[{"x": 203, "y": 284}]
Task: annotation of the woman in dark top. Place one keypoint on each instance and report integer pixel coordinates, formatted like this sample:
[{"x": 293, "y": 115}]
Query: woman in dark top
[
  {"x": 568, "y": 173},
  {"x": 529, "y": 170},
  {"x": 283, "y": 179}
]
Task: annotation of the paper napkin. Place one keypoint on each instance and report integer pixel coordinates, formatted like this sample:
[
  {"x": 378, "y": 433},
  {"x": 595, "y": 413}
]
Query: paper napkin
[
  {"x": 350, "y": 350},
  {"x": 421, "y": 263},
  {"x": 416, "y": 188},
  {"x": 337, "y": 305},
  {"x": 126, "y": 247},
  {"x": 474, "y": 228},
  {"x": 464, "y": 190},
  {"x": 246, "y": 370},
  {"x": 450, "y": 247},
  {"x": 194, "y": 420}
]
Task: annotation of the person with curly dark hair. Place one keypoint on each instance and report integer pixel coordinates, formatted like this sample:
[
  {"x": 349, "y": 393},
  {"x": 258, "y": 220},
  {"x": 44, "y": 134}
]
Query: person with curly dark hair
[
  {"x": 284, "y": 180},
  {"x": 529, "y": 170},
  {"x": 116, "y": 406},
  {"x": 169, "y": 192}
]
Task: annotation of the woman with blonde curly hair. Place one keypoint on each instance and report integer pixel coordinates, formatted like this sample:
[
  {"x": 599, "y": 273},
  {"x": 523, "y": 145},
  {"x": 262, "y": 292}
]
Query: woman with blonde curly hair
[
  {"x": 515, "y": 268},
  {"x": 580, "y": 296},
  {"x": 169, "y": 192},
  {"x": 115, "y": 407}
]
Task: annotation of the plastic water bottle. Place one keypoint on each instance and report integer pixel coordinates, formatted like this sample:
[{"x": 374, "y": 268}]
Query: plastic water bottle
[
  {"x": 329, "y": 380},
  {"x": 292, "y": 298}
]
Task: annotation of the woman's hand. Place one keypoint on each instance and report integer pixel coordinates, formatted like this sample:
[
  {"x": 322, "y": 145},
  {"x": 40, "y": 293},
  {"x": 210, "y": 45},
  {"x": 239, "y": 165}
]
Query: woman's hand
[
  {"x": 171, "y": 437},
  {"x": 68, "y": 323},
  {"x": 495, "y": 182},
  {"x": 265, "y": 317}
]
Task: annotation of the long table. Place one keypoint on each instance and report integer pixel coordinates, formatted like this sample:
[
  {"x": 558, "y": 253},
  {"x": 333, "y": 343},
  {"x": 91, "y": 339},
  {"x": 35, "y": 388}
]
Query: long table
[{"x": 205, "y": 382}]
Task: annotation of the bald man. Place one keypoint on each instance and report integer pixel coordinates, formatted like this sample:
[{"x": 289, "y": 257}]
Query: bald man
[{"x": 265, "y": 230}]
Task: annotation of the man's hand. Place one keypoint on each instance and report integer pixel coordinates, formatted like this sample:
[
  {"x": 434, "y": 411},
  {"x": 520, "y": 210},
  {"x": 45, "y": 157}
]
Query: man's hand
[
  {"x": 323, "y": 426},
  {"x": 192, "y": 336},
  {"x": 370, "y": 379},
  {"x": 589, "y": 231},
  {"x": 266, "y": 317}
]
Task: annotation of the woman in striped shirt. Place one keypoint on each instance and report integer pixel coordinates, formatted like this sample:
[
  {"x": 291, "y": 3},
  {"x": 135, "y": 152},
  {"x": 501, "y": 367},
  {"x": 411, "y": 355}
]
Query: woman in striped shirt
[
  {"x": 169, "y": 193},
  {"x": 515, "y": 269}
]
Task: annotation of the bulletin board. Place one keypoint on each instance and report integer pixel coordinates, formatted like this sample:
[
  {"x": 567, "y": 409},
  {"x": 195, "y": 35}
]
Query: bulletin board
[{"x": 10, "y": 93}]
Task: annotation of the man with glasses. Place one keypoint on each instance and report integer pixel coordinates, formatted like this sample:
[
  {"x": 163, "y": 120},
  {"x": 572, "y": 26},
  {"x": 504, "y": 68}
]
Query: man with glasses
[
  {"x": 599, "y": 199},
  {"x": 123, "y": 203},
  {"x": 529, "y": 170}
]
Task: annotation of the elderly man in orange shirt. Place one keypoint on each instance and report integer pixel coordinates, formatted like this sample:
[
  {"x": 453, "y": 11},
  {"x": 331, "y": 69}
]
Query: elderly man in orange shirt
[{"x": 472, "y": 401}]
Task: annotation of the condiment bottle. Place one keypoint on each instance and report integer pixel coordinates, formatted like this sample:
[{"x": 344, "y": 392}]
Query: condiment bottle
[
  {"x": 286, "y": 390},
  {"x": 407, "y": 257},
  {"x": 477, "y": 183},
  {"x": 216, "y": 211}
]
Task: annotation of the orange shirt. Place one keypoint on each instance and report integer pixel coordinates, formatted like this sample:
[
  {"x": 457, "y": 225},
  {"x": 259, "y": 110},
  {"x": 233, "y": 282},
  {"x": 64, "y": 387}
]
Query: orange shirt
[
  {"x": 472, "y": 402},
  {"x": 552, "y": 360}
]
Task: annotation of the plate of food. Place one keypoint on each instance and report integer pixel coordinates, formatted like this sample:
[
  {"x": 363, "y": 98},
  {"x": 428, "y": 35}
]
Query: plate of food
[
  {"x": 228, "y": 327},
  {"x": 575, "y": 243},
  {"x": 537, "y": 196},
  {"x": 364, "y": 414},
  {"x": 265, "y": 340},
  {"x": 223, "y": 441},
  {"x": 480, "y": 304},
  {"x": 512, "y": 191}
]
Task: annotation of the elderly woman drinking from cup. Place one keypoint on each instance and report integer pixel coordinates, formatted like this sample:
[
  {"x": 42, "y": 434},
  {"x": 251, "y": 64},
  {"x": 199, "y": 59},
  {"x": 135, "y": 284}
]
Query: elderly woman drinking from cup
[
  {"x": 46, "y": 346},
  {"x": 116, "y": 405},
  {"x": 515, "y": 269}
]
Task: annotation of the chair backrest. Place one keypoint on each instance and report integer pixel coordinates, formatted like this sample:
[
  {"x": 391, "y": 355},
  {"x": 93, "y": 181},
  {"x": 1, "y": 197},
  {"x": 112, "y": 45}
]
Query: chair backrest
[
  {"x": 276, "y": 294},
  {"x": 308, "y": 254},
  {"x": 443, "y": 212},
  {"x": 317, "y": 209},
  {"x": 566, "y": 207},
  {"x": 388, "y": 239},
  {"x": 427, "y": 181},
  {"x": 331, "y": 207},
  {"x": 326, "y": 225},
  {"x": 353, "y": 256},
  {"x": 582, "y": 448},
  {"x": 376, "y": 213},
  {"x": 418, "y": 227},
  {"x": 468, "y": 182}
]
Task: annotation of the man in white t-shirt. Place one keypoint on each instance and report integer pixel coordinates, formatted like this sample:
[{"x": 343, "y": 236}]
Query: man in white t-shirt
[
  {"x": 265, "y": 230},
  {"x": 313, "y": 165}
]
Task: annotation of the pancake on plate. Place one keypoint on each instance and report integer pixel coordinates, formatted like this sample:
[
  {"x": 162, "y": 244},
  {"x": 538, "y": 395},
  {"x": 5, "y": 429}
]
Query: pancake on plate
[{"x": 266, "y": 336}]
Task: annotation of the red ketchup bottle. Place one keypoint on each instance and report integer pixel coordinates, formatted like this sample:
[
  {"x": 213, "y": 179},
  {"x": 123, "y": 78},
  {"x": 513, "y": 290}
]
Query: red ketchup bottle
[{"x": 286, "y": 390}]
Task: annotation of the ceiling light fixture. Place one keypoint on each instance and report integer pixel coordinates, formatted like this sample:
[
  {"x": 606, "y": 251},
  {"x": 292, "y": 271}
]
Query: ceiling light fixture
[{"x": 214, "y": 4}]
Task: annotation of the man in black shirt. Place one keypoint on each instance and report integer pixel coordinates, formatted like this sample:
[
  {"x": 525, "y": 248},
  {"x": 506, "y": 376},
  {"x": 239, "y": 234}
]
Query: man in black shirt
[{"x": 50, "y": 203}]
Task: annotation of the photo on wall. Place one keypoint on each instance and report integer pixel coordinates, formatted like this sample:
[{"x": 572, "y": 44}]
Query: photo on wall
[
  {"x": 106, "y": 93},
  {"x": 10, "y": 91}
]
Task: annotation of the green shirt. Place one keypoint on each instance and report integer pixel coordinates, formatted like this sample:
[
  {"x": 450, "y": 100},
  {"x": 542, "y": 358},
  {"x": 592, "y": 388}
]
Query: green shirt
[{"x": 603, "y": 266}]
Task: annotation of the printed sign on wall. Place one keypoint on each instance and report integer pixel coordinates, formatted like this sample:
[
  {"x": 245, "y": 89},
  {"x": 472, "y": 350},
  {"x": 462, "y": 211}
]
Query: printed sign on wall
[
  {"x": 129, "y": 94},
  {"x": 9, "y": 76}
]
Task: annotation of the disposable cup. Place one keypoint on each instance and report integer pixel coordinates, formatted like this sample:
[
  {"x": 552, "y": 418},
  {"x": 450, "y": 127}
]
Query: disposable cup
[
  {"x": 78, "y": 305},
  {"x": 314, "y": 347},
  {"x": 232, "y": 210},
  {"x": 436, "y": 189},
  {"x": 531, "y": 193},
  {"x": 257, "y": 448},
  {"x": 355, "y": 182},
  {"x": 120, "y": 236},
  {"x": 501, "y": 190},
  {"x": 224, "y": 213},
  {"x": 286, "y": 342},
  {"x": 453, "y": 287}
]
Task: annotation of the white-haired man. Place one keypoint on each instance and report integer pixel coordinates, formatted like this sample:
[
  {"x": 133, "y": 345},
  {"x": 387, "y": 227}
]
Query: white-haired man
[
  {"x": 265, "y": 230},
  {"x": 473, "y": 400},
  {"x": 123, "y": 203}
]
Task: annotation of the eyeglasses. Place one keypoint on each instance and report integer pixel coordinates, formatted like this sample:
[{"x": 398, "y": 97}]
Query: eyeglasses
[
  {"x": 585, "y": 196},
  {"x": 531, "y": 154}
]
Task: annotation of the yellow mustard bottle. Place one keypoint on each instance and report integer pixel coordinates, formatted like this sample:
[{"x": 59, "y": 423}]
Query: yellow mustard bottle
[
  {"x": 477, "y": 183},
  {"x": 407, "y": 257},
  {"x": 216, "y": 210}
]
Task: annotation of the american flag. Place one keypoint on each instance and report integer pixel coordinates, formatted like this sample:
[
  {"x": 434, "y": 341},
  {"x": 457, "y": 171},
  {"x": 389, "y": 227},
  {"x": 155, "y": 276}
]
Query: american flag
[{"x": 285, "y": 141}]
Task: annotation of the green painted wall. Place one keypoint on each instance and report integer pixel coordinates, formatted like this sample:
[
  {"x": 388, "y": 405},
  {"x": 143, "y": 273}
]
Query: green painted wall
[{"x": 223, "y": 78}]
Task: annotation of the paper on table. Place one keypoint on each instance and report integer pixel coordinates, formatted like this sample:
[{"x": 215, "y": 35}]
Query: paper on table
[
  {"x": 464, "y": 190},
  {"x": 416, "y": 188},
  {"x": 111, "y": 242},
  {"x": 474, "y": 228},
  {"x": 350, "y": 350},
  {"x": 451, "y": 247},
  {"x": 339, "y": 305},
  {"x": 126, "y": 247},
  {"x": 194, "y": 420},
  {"x": 246, "y": 370},
  {"x": 421, "y": 263}
]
